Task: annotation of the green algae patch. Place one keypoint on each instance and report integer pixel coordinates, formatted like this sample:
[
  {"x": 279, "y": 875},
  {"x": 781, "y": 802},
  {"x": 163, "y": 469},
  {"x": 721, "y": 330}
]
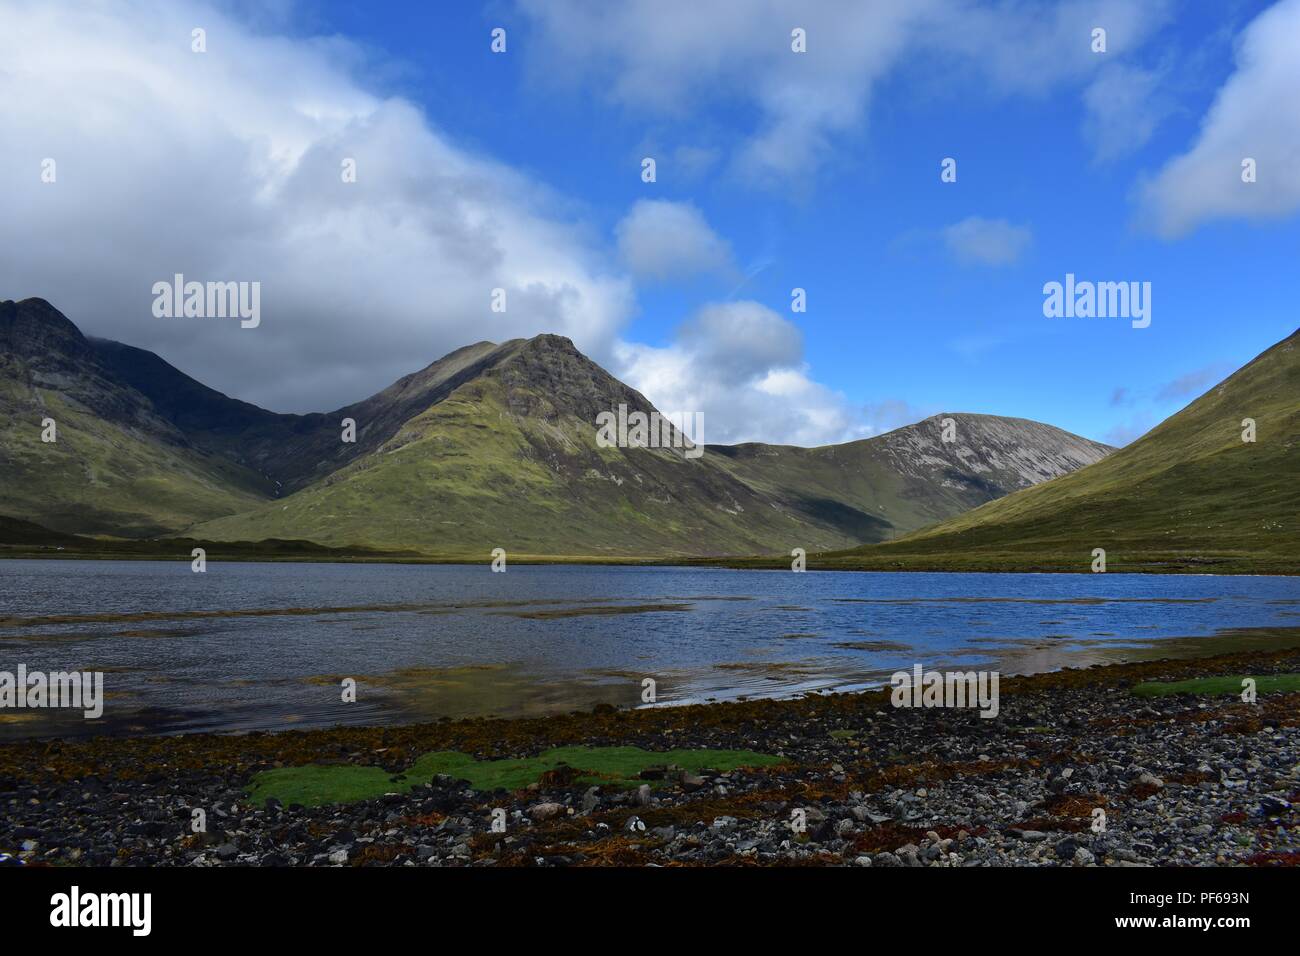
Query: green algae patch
[
  {"x": 1214, "y": 686},
  {"x": 316, "y": 785}
]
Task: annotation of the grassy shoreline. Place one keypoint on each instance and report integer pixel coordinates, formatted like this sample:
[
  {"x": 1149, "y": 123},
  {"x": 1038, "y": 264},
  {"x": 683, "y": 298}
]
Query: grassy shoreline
[
  {"x": 1141, "y": 564},
  {"x": 24, "y": 540}
]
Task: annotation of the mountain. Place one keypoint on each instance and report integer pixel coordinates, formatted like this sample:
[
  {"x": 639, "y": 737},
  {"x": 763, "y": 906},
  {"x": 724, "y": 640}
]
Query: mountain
[
  {"x": 1188, "y": 495},
  {"x": 490, "y": 446},
  {"x": 289, "y": 451},
  {"x": 509, "y": 459},
  {"x": 116, "y": 465},
  {"x": 910, "y": 477}
]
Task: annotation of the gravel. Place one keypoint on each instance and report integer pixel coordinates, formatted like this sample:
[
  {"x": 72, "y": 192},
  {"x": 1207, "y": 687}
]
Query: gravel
[{"x": 1070, "y": 773}]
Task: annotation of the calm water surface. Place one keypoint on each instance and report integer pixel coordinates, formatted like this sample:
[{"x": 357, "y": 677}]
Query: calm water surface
[{"x": 265, "y": 646}]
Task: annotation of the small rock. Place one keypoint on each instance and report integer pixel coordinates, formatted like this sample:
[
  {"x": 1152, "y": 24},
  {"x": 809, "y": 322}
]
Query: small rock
[
  {"x": 1273, "y": 806},
  {"x": 1029, "y": 836},
  {"x": 545, "y": 811}
]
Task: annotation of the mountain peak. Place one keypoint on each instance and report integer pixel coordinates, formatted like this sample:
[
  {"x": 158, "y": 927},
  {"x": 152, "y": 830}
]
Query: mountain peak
[
  {"x": 546, "y": 342},
  {"x": 548, "y": 372},
  {"x": 34, "y": 328},
  {"x": 553, "y": 340}
]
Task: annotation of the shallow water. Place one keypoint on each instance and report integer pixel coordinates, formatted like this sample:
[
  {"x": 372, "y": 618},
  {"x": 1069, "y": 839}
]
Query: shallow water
[{"x": 265, "y": 645}]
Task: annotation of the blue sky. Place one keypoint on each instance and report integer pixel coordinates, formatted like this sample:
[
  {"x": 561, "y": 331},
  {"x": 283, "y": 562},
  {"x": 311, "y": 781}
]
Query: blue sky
[{"x": 778, "y": 170}]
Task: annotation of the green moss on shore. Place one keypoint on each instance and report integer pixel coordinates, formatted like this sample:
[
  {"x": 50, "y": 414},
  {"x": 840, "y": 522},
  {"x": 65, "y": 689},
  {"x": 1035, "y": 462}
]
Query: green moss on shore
[
  {"x": 1216, "y": 686},
  {"x": 316, "y": 785}
]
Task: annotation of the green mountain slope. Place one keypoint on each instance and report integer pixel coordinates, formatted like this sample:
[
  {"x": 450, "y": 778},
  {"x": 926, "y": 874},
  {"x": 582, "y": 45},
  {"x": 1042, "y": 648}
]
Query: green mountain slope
[
  {"x": 116, "y": 465},
  {"x": 911, "y": 477},
  {"x": 490, "y": 446},
  {"x": 509, "y": 459},
  {"x": 289, "y": 451},
  {"x": 1188, "y": 495}
]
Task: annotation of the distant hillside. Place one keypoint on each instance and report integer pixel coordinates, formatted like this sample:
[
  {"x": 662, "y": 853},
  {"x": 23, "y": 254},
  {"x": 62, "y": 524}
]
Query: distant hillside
[
  {"x": 490, "y": 446},
  {"x": 1189, "y": 495},
  {"x": 117, "y": 465},
  {"x": 910, "y": 477},
  {"x": 289, "y": 451}
]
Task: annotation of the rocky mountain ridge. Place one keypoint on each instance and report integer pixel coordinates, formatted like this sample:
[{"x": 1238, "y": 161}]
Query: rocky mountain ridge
[{"x": 489, "y": 446}]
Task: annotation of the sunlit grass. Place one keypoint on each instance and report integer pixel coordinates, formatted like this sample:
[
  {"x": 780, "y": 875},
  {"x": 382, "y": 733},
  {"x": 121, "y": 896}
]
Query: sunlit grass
[
  {"x": 315, "y": 785},
  {"x": 1215, "y": 686}
]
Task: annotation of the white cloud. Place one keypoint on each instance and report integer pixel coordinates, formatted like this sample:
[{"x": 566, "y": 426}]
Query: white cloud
[
  {"x": 742, "y": 366},
  {"x": 662, "y": 240},
  {"x": 1028, "y": 48},
  {"x": 1128, "y": 432},
  {"x": 884, "y": 416},
  {"x": 991, "y": 242},
  {"x": 692, "y": 162},
  {"x": 1255, "y": 114},
  {"x": 666, "y": 56},
  {"x": 1124, "y": 106},
  {"x": 225, "y": 165},
  {"x": 1194, "y": 383}
]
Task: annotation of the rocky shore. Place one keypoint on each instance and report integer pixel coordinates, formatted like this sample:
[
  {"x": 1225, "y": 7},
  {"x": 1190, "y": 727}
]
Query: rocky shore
[{"x": 1178, "y": 780}]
